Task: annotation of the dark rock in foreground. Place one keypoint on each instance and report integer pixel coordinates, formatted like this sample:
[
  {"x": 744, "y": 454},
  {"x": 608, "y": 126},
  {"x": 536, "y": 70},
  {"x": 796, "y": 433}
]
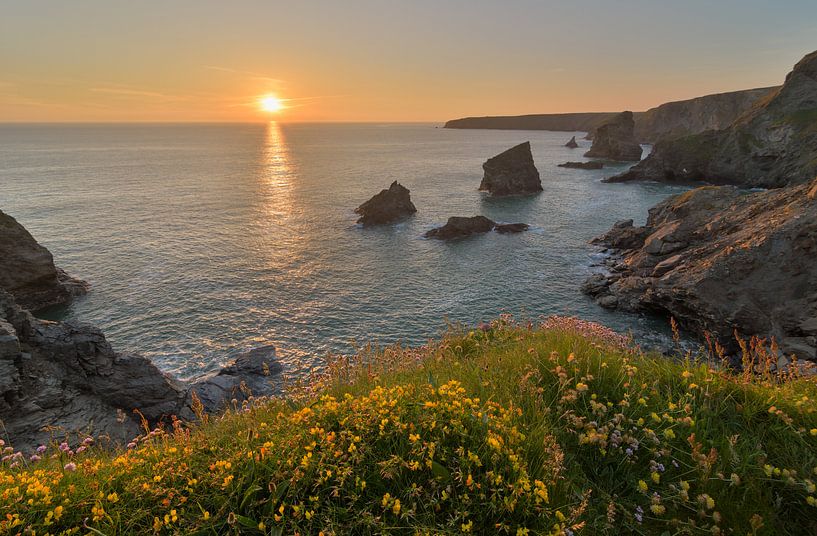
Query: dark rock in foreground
[
  {"x": 63, "y": 381},
  {"x": 387, "y": 206},
  {"x": 572, "y": 143},
  {"x": 774, "y": 144},
  {"x": 718, "y": 260},
  {"x": 616, "y": 140},
  {"x": 583, "y": 165},
  {"x": 511, "y": 173},
  {"x": 27, "y": 269},
  {"x": 460, "y": 227}
]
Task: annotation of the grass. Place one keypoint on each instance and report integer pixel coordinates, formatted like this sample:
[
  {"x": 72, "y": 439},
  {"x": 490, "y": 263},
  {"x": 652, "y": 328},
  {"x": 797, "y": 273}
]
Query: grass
[{"x": 562, "y": 428}]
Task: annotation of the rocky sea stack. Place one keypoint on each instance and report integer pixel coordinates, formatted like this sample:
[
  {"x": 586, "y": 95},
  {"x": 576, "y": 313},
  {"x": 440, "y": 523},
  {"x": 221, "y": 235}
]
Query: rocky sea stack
[
  {"x": 511, "y": 173},
  {"x": 718, "y": 259},
  {"x": 774, "y": 144},
  {"x": 27, "y": 270},
  {"x": 572, "y": 144},
  {"x": 460, "y": 227},
  {"x": 615, "y": 140},
  {"x": 386, "y": 207},
  {"x": 583, "y": 165}
]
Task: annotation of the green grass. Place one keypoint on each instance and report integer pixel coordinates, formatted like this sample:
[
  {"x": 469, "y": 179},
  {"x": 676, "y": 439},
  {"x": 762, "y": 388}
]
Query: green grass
[{"x": 555, "y": 429}]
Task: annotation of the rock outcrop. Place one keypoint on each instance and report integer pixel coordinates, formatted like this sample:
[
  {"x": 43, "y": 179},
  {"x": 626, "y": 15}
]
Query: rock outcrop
[
  {"x": 772, "y": 145},
  {"x": 718, "y": 260},
  {"x": 615, "y": 140},
  {"x": 387, "y": 206},
  {"x": 572, "y": 144},
  {"x": 511, "y": 172},
  {"x": 27, "y": 269},
  {"x": 583, "y": 165},
  {"x": 460, "y": 227},
  {"x": 64, "y": 381}
]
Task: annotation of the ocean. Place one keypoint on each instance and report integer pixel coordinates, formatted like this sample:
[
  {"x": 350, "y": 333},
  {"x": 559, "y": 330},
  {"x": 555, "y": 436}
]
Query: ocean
[{"x": 201, "y": 241}]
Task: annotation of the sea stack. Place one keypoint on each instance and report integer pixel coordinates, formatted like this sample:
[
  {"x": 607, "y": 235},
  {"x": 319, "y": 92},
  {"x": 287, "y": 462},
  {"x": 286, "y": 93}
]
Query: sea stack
[
  {"x": 572, "y": 143},
  {"x": 27, "y": 270},
  {"x": 615, "y": 140},
  {"x": 387, "y": 206},
  {"x": 511, "y": 173},
  {"x": 460, "y": 227}
]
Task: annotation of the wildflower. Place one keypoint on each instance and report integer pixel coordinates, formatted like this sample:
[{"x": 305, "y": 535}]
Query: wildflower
[
  {"x": 642, "y": 486},
  {"x": 639, "y": 514},
  {"x": 70, "y": 467},
  {"x": 581, "y": 387},
  {"x": 206, "y": 515},
  {"x": 658, "y": 509},
  {"x": 686, "y": 374},
  {"x": 813, "y": 431},
  {"x": 811, "y": 501},
  {"x": 522, "y": 532},
  {"x": 655, "y": 477},
  {"x": 41, "y": 449},
  {"x": 396, "y": 507},
  {"x": 466, "y": 527}
]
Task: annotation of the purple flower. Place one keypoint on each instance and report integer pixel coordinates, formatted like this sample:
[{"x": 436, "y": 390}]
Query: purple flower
[
  {"x": 131, "y": 445},
  {"x": 81, "y": 449},
  {"x": 70, "y": 467},
  {"x": 64, "y": 447},
  {"x": 41, "y": 449},
  {"x": 639, "y": 514},
  {"x": 35, "y": 458}
]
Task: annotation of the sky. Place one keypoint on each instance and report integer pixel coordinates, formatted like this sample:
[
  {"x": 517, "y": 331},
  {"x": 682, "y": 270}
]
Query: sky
[{"x": 384, "y": 60}]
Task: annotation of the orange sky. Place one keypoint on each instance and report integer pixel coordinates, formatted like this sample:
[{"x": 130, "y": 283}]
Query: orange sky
[{"x": 383, "y": 61}]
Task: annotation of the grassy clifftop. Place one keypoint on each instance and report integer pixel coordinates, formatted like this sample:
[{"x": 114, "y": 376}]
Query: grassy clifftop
[{"x": 562, "y": 428}]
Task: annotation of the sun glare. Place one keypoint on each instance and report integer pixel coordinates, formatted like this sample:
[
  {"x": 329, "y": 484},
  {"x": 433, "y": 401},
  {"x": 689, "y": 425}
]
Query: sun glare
[{"x": 271, "y": 104}]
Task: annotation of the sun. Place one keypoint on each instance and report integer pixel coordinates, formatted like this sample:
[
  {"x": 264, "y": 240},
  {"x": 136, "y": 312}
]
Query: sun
[{"x": 271, "y": 104}]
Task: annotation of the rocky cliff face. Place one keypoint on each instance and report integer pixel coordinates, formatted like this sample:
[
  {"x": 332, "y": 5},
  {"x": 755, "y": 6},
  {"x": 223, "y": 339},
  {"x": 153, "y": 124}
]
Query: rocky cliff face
[
  {"x": 718, "y": 259},
  {"x": 387, "y": 206},
  {"x": 572, "y": 122},
  {"x": 615, "y": 140},
  {"x": 63, "y": 380},
  {"x": 669, "y": 120},
  {"x": 27, "y": 269},
  {"x": 682, "y": 118},
  {"x": 511, "y": 172},
  {"x": 772, "y": 145}
]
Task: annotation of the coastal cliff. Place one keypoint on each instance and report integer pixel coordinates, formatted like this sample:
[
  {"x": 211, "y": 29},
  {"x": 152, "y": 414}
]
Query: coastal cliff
[
  {"x": 63, "y": 380},
  {"x": 28, "y": 269},
  {"x": 720, "y": 260},
  {"x": 773, "y": 144},
  {"x": 672, "y": 119}
]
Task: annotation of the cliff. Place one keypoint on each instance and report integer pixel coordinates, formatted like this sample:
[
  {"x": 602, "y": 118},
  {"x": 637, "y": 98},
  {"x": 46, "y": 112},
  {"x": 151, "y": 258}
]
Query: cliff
[
  {"x": 773, "y": 144},
  {"x": 710, "y": 112},
  {"x": 27, "y": 269},
  {"x": 571, "y": 122},
  {"x": 672, "y": 119},
  {"x": 615, "y": 140},
  {"x": 719, "y": 260}
]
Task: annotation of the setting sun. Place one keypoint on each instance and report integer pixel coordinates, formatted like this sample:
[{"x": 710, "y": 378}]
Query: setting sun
[{"x": 271, "y": 104}]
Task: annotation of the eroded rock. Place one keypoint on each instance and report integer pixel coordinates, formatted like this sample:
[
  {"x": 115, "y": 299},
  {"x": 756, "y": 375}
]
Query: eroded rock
[{"x": 511, "y": 173}]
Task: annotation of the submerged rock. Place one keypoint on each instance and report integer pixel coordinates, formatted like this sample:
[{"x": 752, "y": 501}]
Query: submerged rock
[
  {"x": 616, "y": 140},
  {"x": 572, "y": 143},
  {"x": 507, "y": 228},
  {"x": 771, "y": 145},
  {"x": 583, "y": 165},
  {"x": 718, "y": 260},
  {"x": 27, "y": 270},
  {"x": 387, "y": 206},
  {"x": 460, "y": 227},
  {"x": 511, "y": 173}
]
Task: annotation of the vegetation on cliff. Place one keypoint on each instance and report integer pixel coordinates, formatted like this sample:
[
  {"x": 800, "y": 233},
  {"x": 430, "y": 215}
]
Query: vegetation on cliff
[{"x": 561, "y": 428}]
